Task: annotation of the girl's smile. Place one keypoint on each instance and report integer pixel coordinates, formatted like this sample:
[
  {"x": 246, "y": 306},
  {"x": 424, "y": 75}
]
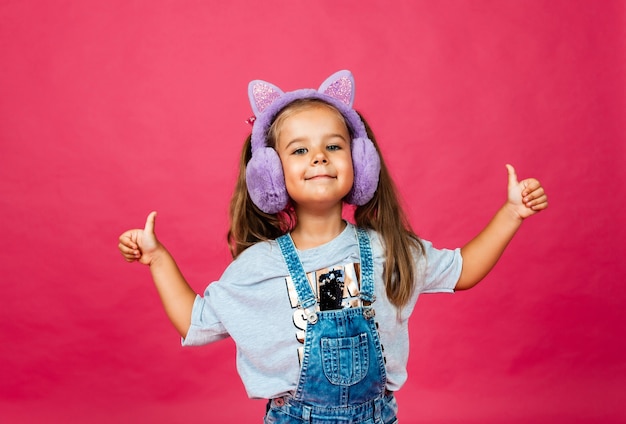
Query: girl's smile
[{"x": 319, "y": 177}]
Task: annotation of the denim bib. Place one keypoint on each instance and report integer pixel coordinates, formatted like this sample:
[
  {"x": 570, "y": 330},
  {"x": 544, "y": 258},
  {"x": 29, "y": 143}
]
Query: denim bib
[{"x": 342, "y": 378}]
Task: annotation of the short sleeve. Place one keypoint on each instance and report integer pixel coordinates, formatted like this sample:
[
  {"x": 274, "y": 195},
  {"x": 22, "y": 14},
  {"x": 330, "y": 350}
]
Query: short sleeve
[
  {"x": 205, "y": 326},
  {"x": 439, "y": 269}
]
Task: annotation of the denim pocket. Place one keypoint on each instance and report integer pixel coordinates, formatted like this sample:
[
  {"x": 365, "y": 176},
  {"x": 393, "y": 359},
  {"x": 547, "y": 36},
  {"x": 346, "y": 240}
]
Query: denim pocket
[{"x": 346, "y": 359}]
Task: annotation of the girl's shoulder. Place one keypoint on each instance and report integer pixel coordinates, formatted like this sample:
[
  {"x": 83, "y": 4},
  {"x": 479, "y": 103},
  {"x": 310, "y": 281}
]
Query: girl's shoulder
[
  {"x": 261, "y": 259},
  {"x": 262, "y": 250}
]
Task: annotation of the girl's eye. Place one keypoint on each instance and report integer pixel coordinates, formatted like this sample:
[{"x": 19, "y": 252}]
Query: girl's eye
[
  {"x": 300, "y": 151},
  {"x": 333, "y": 147}
]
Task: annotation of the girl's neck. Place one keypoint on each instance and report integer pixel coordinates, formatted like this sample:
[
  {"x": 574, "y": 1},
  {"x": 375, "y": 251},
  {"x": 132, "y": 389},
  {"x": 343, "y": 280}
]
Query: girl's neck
[{"x": 313, "y": 230}]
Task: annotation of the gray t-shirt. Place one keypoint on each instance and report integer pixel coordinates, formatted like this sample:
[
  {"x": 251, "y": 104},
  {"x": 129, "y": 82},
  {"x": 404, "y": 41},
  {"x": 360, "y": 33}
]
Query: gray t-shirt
[{"x": 254, "y": 302}]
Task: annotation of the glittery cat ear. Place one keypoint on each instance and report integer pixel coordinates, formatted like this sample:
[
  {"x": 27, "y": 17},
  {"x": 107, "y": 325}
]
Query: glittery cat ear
[
  {"x": 262, "y": 94},
  {"x": 340, "y": 86}
]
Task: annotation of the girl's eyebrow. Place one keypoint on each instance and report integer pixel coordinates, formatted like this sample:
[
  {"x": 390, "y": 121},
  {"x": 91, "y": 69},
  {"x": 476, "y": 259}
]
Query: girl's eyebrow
[
  {"x": 337, "y": 135},
  {"x": 295, "y": 140}
]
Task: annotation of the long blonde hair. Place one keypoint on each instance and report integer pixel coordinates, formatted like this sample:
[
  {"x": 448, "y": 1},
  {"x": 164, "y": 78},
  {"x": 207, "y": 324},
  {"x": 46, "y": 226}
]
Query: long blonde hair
[{"x": 383, "y": 214}]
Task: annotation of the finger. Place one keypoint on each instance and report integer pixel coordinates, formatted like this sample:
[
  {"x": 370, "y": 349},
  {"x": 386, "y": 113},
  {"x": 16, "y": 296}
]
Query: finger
[
  {"x": 127, "y": 240},
  {"x": 128, "y": 252},
  {"x": 130, "y": 258},
  {"x": 532, "y": 191},
  {"x": 531, "y": 185},
  {"x": 539, "y": 203},
  {"x": 512, "y": 175},
  {"x": 150, "y": 222}
]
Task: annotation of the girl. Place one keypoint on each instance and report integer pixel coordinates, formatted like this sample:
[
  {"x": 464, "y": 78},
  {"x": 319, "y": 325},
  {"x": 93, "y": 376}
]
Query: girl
[{"x": 317, "y": 306}]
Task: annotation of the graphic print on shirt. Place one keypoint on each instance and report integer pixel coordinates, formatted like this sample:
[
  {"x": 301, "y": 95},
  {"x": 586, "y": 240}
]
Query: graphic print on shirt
[{"x": 336, "y": 287}]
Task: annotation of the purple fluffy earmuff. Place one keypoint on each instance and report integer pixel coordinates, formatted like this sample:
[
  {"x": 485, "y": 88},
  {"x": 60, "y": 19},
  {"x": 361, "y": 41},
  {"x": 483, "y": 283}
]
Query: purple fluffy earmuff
[{"x": 264, "y": 172}]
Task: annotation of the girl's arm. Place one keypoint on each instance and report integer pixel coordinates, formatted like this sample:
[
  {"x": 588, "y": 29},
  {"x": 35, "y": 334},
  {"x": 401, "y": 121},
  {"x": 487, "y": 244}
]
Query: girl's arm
[
  {"x": 177, "y": 296},
  {"x": 525, "y": 198}
]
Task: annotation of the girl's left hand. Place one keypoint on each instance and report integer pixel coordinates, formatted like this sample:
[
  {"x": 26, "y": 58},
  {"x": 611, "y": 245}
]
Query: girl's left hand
[{"x": 526, "y": 197}]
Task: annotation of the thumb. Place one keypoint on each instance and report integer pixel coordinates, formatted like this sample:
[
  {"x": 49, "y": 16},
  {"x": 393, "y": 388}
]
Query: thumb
[
  {"x": 149, "y": 228},
  {"x": 512, "y": 175}
]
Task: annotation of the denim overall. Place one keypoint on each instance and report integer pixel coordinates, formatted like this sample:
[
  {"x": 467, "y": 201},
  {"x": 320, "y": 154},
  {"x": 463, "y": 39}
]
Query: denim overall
[{"x": 342, "y": 379}]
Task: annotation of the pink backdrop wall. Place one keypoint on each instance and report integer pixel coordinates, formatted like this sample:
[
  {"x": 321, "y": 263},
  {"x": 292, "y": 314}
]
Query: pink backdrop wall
[{"x": 109, "y": 109}]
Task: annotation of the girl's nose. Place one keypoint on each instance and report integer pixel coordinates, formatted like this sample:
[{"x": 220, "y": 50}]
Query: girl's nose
[{"x": 320, "y": 158}]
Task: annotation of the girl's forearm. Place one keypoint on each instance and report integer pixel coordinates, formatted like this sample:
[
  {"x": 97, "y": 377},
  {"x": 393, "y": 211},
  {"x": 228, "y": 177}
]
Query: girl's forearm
[
  {"x": 482, "y": 253},
  {"x": 176, "y": 294}
]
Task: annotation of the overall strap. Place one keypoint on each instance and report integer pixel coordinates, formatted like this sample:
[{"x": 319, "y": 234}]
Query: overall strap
[
  {"x": 367, "y": 266},
  {"x": 306, "y": 297}
]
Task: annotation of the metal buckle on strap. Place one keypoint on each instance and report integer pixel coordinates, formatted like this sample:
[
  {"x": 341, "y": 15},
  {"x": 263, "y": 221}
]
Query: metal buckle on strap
[
  {"x": 369, "y": 313},
  {"x": 311, "y": 315}
]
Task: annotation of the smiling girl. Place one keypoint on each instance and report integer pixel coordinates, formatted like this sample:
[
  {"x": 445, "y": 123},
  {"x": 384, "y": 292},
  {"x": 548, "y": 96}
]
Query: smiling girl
[{"x": 318, "y": 306}]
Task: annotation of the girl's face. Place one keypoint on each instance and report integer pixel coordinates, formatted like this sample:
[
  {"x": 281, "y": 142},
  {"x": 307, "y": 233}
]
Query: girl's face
[{"x": 314, "y": 147}]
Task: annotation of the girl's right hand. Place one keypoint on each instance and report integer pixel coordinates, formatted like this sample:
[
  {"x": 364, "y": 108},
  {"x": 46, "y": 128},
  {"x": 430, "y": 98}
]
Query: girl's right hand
[{"x": 140, "y": 245}]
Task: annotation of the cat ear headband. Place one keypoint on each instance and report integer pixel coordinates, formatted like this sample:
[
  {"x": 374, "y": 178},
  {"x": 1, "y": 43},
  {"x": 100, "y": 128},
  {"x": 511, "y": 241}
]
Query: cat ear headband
[{"x": 264, "y": 172}]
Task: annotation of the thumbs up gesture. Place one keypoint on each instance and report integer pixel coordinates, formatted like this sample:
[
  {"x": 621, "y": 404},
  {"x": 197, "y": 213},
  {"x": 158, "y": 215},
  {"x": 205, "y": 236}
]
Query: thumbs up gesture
[
  {"x": 526, "y": 197},
  {"x": 140, "y": 245}
]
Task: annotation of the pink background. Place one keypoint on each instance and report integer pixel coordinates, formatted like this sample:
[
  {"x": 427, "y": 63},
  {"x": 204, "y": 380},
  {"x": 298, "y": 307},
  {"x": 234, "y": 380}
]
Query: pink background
[{"x": 110, "y": 109}]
